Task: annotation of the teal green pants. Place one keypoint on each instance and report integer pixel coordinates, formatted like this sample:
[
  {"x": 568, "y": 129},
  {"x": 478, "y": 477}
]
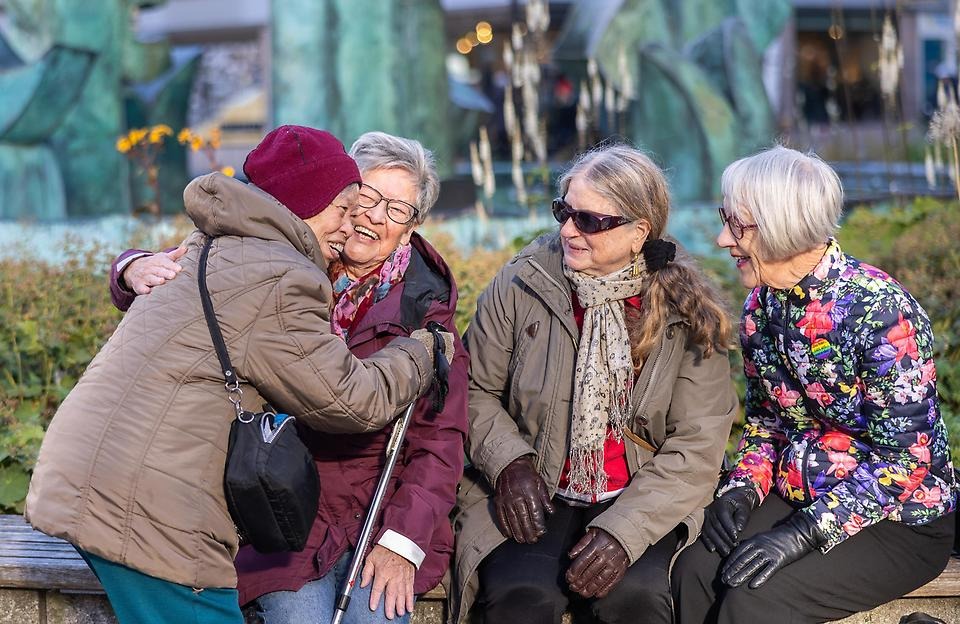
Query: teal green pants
[{"x": 137, "y": 598}]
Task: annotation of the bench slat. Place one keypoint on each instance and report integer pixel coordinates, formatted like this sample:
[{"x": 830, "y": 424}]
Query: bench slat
[
  {"x": 31, "y": 560},
  {"x": 945, "y": 585},
  {"x": 50, "y": 550},
  {"x": 49, "y": 574}
]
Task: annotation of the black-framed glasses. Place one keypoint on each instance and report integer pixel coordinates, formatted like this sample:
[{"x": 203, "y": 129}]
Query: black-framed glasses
[
  {"x": 736, "y": 227},
  {"x": 586, "y": 222},
  {"x": 398, "y": 211}
]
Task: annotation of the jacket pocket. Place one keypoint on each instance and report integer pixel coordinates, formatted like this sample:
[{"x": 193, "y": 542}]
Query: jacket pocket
[
  {"x": 816, "y": 463},
  {"x": 833, "y": 456}
]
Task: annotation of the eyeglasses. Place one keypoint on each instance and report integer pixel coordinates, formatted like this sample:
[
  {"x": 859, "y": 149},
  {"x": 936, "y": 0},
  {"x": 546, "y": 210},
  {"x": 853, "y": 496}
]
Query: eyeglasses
[
  {"x": 398, "y": 211},
  {"x": 736, "y": 227},
  {"x": 586, "y": 222}
]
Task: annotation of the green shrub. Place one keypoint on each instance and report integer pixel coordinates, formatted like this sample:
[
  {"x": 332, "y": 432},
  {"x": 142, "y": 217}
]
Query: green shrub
[
  {"x": 917, "y": 245},
  {"x": 53, "y": 319}
]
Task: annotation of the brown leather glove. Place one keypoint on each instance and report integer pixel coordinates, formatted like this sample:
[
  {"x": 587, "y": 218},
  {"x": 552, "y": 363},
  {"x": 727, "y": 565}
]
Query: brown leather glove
[
  {"x": 599, "y": 563},
  {"x": 521, "y": 499}
]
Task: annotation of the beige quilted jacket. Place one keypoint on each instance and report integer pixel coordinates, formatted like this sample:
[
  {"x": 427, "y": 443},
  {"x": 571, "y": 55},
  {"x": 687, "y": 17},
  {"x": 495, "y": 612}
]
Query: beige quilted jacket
[{"x": 131, "y": 468}]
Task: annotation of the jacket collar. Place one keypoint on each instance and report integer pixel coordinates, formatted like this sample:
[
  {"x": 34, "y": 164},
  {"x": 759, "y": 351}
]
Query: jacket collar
[
  {"x": 543, "y": 273},
  {"x": 222, "y": 206},
  {"x": 427, "y": 282},
  {"x": 827, "y": 271}
]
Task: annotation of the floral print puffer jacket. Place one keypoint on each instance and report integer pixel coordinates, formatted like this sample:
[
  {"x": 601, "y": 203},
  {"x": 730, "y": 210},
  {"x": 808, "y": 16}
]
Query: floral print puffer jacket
[{"x": 841, "y": 409}]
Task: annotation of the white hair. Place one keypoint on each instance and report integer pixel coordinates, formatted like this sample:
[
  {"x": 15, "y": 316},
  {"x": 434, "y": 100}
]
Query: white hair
[
  {"x": 379, "y": 150},
  {"x": 794, "y": 198}
]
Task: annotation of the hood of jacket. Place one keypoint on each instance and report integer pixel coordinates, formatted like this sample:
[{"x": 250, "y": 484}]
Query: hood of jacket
[{"x": 223, "y": 206}]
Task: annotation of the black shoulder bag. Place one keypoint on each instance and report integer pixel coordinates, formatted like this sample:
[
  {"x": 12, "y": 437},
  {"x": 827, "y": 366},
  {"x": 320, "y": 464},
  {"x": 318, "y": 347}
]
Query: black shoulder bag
[{"x": 270, "y": 480}]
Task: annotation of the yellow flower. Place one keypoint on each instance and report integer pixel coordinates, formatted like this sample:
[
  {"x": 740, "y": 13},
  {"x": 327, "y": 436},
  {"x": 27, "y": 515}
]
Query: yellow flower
[
  {"x": 158, "y": 132},
  {"x": 184, "y": 136},
  {"x": 228, "y": 171},
  {"x": 136, "y": 135},
  {"x": 196, "y": 143},
  {"x": 215, "y": 137},
  {"x": 124, "y": 145}
]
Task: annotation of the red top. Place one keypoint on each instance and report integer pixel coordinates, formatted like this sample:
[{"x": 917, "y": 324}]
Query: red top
[{"x": 614, "y": 451}]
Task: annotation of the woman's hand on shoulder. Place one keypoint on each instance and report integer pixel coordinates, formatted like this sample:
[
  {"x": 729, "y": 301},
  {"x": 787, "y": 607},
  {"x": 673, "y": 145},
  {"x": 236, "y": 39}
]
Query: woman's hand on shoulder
[{"x": 141, "y": 275}]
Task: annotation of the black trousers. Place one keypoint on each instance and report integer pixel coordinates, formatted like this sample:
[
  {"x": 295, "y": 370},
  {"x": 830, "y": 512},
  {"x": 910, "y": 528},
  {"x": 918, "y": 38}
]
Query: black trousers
[
  {"x": 525, "y": 582},
  {"x": 879, "y": 564}
]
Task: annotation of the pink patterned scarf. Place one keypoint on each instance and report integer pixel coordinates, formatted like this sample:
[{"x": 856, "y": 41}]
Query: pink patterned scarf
[{"x": 355, "y": 296}]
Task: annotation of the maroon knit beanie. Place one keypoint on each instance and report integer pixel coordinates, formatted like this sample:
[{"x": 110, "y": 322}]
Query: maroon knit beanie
[{"x": 303, "y": 168}]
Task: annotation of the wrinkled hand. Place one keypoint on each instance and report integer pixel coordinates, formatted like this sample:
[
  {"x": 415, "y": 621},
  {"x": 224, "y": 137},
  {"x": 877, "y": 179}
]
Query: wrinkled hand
[
  {"x": 599, "y": 562},
  {"x": 392, "y": 578},
  {"x": 144, "y": 273},
  {"x": 758, "y": 558},
  {"x": 724, "y": 519},
  {"x": 521, "y": 499}
]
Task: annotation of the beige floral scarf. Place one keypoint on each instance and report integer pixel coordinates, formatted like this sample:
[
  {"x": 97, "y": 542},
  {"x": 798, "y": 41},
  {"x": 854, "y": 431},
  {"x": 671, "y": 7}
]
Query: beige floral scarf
[{"x": 603, "y": 379}]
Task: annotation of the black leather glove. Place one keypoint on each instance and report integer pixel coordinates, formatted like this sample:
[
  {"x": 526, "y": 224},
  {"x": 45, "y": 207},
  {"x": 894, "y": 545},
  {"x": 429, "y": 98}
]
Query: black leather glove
[
  {"x": 759, "y": 558},
  {"x": 521, "y": 499},
  {"x": 724, "y": 519},
  {"x": 599, "y": 563}
]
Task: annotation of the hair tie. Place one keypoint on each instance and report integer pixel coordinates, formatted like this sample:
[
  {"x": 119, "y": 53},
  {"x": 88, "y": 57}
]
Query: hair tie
[{"x": 657, "y": 253}]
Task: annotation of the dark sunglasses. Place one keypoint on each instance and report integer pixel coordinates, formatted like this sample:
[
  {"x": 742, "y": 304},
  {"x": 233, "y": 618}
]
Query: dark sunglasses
[{"x": 586, "y": 222}]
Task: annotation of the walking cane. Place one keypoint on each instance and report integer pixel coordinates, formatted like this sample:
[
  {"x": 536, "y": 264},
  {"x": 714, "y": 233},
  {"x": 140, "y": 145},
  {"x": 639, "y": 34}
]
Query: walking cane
[{"x": 393, "y": 452}]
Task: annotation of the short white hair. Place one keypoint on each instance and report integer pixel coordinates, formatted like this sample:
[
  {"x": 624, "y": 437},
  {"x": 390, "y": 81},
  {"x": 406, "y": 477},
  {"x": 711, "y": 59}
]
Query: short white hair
[
  {"x": 794, "y": 198},
  {"x": 379, "y": 150}
]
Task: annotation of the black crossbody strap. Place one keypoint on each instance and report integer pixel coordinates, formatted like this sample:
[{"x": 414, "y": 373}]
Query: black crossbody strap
[{"x": 229, "y": 375}]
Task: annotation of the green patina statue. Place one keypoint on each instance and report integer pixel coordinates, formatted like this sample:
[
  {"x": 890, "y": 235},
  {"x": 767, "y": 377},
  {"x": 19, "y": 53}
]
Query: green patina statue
[
  {"x": 695, "y": 71},
  {"x": 65, "y": 71},
  {"x": 356, "y": 65}
]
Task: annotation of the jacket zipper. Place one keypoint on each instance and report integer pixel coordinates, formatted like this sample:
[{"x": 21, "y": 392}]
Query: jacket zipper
[
  {"x": 548, "y": 423},
  {"x": 644, "y": 397},
  {"x": 805, "y": 462},
  {"x": 804, "y": 465}
]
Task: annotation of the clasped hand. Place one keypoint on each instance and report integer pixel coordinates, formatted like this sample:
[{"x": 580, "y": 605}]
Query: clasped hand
[
  {"x": 725, "y": 518},
  {"x": 599, "y": 563},
  {"x": 522, "y": 501},
  {"x": 761, "y": 556}
]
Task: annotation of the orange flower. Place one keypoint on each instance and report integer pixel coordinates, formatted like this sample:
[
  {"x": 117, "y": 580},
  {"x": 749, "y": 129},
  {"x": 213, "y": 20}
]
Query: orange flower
[
  {"x": 816, "y": 319},
  {"x": 835, "y": 441},
  {"x": 902, "y": 337}
]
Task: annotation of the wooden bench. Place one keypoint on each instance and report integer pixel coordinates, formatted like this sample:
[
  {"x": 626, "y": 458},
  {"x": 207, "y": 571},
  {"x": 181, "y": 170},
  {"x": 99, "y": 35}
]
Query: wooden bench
[{"x": 43, "y": 580}]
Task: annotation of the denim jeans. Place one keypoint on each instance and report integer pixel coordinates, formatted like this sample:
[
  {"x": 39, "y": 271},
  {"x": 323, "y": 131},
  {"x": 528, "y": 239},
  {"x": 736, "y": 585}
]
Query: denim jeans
[{"x": 314, "y": 602}]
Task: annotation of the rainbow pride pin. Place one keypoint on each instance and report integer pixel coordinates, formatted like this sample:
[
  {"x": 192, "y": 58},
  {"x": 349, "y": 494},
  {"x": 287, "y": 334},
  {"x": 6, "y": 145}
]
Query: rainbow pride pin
[{"x": 821, "y": 348}]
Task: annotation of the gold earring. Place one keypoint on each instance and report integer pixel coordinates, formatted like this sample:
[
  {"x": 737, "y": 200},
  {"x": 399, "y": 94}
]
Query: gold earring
[{"x": 635, "y": 269}]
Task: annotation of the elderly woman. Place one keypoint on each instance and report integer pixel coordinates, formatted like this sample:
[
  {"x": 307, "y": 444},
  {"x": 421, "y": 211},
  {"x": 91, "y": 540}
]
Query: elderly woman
[
  {"x": 842, "y": 494},
  {"x": 131, "y": 467},
  {"x": 388, "y": 281},
  {"x": 600, "y": 401}
]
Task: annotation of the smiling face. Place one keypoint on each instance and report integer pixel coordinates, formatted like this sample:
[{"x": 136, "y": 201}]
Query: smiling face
[
  {"x": 604, "y": 252},
  {"x": 374, "y": 236},
  {"x": 745, "y": 250},
  {"x": 332, "y": 225}
]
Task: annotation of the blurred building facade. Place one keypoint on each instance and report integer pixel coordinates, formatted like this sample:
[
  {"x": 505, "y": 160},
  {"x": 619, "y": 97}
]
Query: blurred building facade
[{"x": 822, "y": 70}]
